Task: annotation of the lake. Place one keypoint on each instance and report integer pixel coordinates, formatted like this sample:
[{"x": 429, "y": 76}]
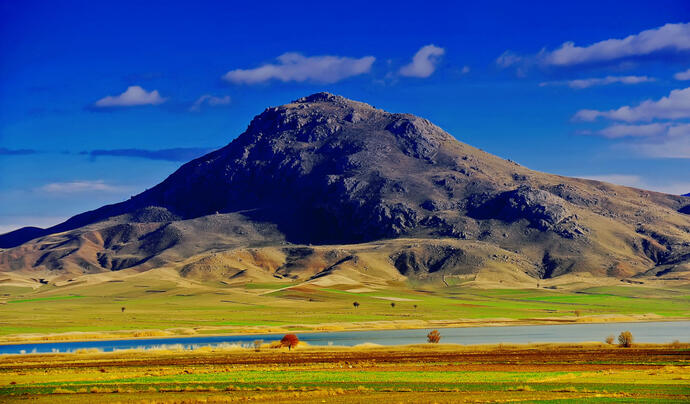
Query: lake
[{"x": 655, "y": 332}]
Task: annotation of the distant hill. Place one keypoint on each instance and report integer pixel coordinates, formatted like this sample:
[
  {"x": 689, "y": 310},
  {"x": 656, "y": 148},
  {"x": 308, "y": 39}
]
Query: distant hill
[{"x": 326, "y": 186}]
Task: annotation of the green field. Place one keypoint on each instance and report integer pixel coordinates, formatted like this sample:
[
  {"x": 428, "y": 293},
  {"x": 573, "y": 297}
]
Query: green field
[{"x": 152, "y": 304}]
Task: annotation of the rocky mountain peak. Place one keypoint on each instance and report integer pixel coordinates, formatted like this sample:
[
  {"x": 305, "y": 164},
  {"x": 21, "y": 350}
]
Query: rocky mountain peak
[
  {"x": 323, "y": 97},
  {"x": 315, "y": 118}
]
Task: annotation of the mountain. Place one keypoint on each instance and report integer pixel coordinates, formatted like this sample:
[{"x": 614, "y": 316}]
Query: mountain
[{"x": 330, "y": 187}]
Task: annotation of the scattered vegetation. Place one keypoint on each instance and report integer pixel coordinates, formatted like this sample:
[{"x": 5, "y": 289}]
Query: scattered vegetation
[
  {"x": 433, "y": 337},
  {"x": 625, "y": 339},
  {"x": 290, "y": 341}
]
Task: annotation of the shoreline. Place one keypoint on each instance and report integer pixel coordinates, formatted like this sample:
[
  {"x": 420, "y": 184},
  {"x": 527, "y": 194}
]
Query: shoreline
[{"x": 383, "y": 326}]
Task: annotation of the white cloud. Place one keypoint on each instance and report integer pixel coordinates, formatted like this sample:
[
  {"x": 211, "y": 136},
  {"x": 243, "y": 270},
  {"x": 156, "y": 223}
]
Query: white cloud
[
  {"x": 600, "y": 81},
  {"x": 79, "y": 186},
  {"x": 424, "y": 62},
  {"x": 670, "y": 37},
  {"x": 618, "y": 131},
  {"x": 210, "y": 100},
  {"x": 654, "y": 140},
  {"x": 636, "y": 181},
  {"x": 133, "y": 96},
  {"x": 465, "y": 69},
  {"x": 675, "y": 106},
  {"x": 296, "y": 67},
  {"x": 508, "y": 59},
  {"x": 682, "y": 75},
  {"x": 674, "y": 144}
]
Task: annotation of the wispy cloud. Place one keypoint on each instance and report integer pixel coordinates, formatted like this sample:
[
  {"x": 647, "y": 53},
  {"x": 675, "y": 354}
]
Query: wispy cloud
[
  {"x": 674, "y": 143},
  {"x": 299, "y": 68},
  {"x": 79, "y": 186},
  {"x": 174, "y": 154},
  {"x": 509, "y": 58},
  {"x": 682, "y": 75},
  {"x": 667, "y": 135},
  {"x": 636, "y": 181},
  {"x": 424, "y": 62},
  {"x": 599, "y": 81},
  {"x": 674, "y": 106},
  {"x": 210, "y": 100},
  {"x": 670, "y": 37},
  {"x": 657, "y": 42},
  {"x": 619, "y": 179},
  {"x": 619, "y": 131},
  {"x": 16, "y": 152},
  {"x": 133, "y": 96}
]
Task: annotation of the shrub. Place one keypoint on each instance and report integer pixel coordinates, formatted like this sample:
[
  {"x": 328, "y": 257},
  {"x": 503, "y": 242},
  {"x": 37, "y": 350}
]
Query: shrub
[
  {"x": 625, "y": 339},
  {"x": 392, "y": 304},
  {"x": 433, "y": 337},
  {"x": 524, "y": 387},
  {"x": 356, "y": 304},
  {"x": 290, "y": 341},
  {"x": 610, "y": 339},
  {"x": 257, "y": 344}
]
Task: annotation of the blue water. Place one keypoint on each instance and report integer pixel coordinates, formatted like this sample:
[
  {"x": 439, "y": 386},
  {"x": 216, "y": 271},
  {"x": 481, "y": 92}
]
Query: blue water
[{"x": 657, "y": 332}]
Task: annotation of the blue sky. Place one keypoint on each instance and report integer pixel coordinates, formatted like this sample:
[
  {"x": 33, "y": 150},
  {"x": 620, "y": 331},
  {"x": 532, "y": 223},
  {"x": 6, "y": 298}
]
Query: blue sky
[{"x": 101, "y": 100}]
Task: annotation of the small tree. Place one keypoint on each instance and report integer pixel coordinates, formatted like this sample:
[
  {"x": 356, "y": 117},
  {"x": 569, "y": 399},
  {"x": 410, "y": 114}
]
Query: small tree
[
  {"x": 257, "y": 344},
  {"x": 625, "y": 339},
  {"x": 610, "y": 339},
  {"x": 290, "y": 341},
  {"x": 123, "y": 309},
  {"x": 415, "y": 306},
  {"x": 356, "y": 304},
  {"x": 577, "y": 313},
  {"x": 433, "y": 337},
  {"x": 393, "y": 304}
]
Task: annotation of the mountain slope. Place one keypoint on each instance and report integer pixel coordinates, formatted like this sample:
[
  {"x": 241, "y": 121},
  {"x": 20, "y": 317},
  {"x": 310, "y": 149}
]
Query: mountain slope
[{"x": 328, "y": 171}]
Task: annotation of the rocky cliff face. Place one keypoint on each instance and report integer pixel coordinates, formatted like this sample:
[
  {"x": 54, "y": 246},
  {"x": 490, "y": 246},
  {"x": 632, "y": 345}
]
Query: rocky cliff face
[{"x": 326, "y": 170}]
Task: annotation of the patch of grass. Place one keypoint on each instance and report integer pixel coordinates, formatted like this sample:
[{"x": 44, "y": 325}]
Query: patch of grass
[{"x": 41, "y": 299}]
